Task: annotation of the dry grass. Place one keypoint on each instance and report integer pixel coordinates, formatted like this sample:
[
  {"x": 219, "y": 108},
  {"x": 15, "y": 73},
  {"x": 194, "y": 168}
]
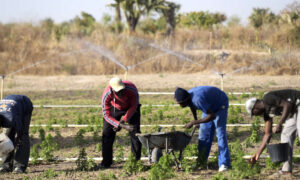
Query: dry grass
[{"x": 25, "y": 44}]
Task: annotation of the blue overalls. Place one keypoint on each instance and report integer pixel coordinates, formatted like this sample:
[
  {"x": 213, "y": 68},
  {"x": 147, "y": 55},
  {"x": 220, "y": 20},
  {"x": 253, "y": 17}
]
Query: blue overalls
[{"x": 211, "y": 98}]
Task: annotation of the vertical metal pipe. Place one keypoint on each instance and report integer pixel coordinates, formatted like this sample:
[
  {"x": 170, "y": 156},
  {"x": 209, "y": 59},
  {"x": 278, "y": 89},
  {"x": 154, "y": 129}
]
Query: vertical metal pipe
[{"x": 2, "y": 86}]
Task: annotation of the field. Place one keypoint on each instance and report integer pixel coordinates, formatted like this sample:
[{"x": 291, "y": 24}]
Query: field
[{"x": 87, "y": 90}]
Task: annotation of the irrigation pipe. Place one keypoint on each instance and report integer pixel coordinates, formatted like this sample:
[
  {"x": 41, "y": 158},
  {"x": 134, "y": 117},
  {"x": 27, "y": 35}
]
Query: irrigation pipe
[
  {"x": 99, "y": 106},
  {"x": 263, "y": 156},
  {"x": 145, "y": 125}
]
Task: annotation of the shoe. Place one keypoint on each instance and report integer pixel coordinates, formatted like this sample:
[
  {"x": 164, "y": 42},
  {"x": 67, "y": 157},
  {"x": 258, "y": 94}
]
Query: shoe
[
  {"x": 4, "y": 169},
  {"x": 281, "y": 175},
  {"x": 18, "y": 170},
  {"x": 101, "y": 166},
  {"x": 223, "y": 168}
]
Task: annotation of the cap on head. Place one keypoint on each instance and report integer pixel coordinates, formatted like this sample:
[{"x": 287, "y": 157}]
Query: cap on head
[
  {"x": 116, "y": 84},
  {"x": 250, "y": 105},
  {"x": 181, "y": 95}
]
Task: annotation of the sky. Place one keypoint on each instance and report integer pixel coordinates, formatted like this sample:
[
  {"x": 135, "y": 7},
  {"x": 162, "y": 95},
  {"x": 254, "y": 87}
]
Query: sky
[{"x": 65, "y": 10}]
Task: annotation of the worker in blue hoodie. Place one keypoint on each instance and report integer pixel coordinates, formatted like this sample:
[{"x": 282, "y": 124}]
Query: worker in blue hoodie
[
  {"x": 214, "y": 104},
  {"x": 15, "y": 116}
]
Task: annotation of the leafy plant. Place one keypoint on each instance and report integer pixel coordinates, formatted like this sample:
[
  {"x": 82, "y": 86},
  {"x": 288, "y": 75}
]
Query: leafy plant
[
  {"x": 219, "y": 176},
  {"x": 48, "y": 146},
  {"x": 163, "y": 169},
  {"x": 120, "y": 154},
  {"x": 34, "y": 154},
  {"x": 42, "y": 134},
  {"x": 240, "y": 168},
  {"x": 79, "y": 138},
  {"x": 82, "y": 162},
  {"x": 98, "y": 147},
  {"x": 103, "y": 176},
  {"x": 50, "y": 173},
  {"x": 133, "y": 166},
  {"x": 270, "y": 165}
]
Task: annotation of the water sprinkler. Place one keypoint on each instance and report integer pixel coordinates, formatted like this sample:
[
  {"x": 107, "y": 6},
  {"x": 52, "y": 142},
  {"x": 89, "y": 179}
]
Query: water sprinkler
[{"x": 222, "y": 81}]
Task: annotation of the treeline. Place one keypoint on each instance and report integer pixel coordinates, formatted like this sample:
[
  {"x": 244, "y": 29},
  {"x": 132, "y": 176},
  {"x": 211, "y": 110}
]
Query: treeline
[{"x": 188, "y": 37}]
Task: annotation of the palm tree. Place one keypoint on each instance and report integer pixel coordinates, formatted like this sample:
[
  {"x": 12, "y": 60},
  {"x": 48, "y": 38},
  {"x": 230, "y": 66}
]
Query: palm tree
[
  {"x": 117, "y": 8},
  {"x": 133, "y": 9},
  {"x": 169, "y": 14},
  {"x": 258, "y": 17}
]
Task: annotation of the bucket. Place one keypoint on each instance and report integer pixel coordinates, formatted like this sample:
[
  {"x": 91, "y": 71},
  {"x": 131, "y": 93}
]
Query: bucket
[{"x": 278, "y": 152}]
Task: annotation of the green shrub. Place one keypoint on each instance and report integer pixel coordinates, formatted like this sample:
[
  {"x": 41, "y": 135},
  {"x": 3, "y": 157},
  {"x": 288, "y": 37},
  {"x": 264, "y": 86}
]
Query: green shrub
[
  {"x": 270, "y": 165},
  {"x": 42, "y": 134},
  {"x": 48, "y": 147},
  {"x": 133, "y": 166},
  {"x": 120, "y": 154},
  {"x": 50, "y": 173},
  {"x": 103, "y": 176},
  {"x": 79, "y": 138},
  {"x": 163, "y": 169},
  {"x": 82, "y": 162},
  {"x": 240, "y": 168},
  {"x": 34, "y": 154}
]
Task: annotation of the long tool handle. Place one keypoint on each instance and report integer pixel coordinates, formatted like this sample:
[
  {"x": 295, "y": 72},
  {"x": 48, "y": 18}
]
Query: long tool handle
[{"x": 193, "y": 131}]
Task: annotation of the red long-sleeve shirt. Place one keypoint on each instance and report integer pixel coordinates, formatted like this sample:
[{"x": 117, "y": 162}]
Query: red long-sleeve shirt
[{"x": 129, "y": 101}]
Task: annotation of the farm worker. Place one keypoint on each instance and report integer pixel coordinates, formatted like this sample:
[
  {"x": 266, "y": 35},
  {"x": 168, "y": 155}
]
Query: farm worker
[
  {"x": 15, "y": 116},
  {"x": 284, "y": 103},
  {"x": 214, "y": 104},
  {"x": 120, "y": 99}
]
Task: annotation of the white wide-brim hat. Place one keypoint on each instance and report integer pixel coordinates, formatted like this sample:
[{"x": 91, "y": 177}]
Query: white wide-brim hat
[{"x": 116, "y": 84}]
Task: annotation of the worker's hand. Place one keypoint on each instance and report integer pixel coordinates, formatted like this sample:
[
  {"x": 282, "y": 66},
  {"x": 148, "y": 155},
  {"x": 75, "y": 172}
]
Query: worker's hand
[
  {"x": 254, "y": 158},
  {"x": 189, "y": 125},
  {"x": 117, "y": 129},
  {"x": 277, "y": 129},
  {"x": 128, "y": 127}
]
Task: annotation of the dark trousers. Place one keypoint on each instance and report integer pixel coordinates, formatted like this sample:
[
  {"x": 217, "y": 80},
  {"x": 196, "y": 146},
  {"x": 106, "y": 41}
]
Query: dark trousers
[
  {"x": 108, "y": 136},
  {"x": 19, "y": 157}
]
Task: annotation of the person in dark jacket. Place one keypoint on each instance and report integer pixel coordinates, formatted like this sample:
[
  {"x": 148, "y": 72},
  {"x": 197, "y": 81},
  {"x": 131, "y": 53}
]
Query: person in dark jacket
[
  {"x": 286, "y": 104},
  {"x": 120, "y": 99},
  {"x": 15, "y": 116}
]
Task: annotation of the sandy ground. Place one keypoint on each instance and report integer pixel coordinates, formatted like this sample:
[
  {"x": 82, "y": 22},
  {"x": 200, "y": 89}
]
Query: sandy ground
[{"x": 154, "y": 82}]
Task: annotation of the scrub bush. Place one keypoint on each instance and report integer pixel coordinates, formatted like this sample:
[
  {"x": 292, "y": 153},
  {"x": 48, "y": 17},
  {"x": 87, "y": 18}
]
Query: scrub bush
[
  {"x": 48, "y": 146},
  {"x": 50, "y": 173},
  {"x": 34, "y": 154},
  {"x": 42, "y": 134},
  {"x": 82, "y": 162},
  {"x": 79, "y": 138},
  {"x": 240, "y": 168},
  {"x": 103, "y": 176},
  {"x": 163, "y": 169},
  {"x": 120, "y": 154},
  {"x": 133, "y": 166}
]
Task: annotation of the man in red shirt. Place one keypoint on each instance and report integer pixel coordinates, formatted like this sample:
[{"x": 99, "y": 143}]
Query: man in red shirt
[{"x": 120, "y": 98}]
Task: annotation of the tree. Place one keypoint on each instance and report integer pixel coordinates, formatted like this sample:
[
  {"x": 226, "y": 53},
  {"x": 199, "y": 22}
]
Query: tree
[
  {"x": 116, "y": 6},
  {"x": 133, "y": 9},
  {"x": 85, "y": 24},
  {"x": 202, "y": 19},
  {"x": 169, "y": 14},
  {"x": 291, "y": 14},
  {"x": 261, "y": 16}
]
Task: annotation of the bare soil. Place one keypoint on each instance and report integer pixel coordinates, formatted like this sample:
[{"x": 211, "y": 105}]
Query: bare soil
[{"x": 48, "y": 85}]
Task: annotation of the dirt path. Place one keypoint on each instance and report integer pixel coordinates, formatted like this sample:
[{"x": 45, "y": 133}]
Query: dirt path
[{"x": 153, "y": 82}]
